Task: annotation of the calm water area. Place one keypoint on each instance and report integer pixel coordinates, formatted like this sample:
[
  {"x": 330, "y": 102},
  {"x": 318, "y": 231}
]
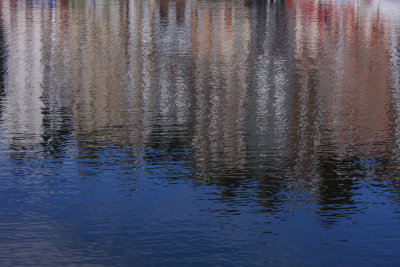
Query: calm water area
[{"x": 199, "y": 133}]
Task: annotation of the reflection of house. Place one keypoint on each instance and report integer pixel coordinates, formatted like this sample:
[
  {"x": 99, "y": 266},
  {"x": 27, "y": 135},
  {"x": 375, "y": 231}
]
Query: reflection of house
[
  {"x": 221, "y": 43},
  {"x": 101, "y": 83},
  {"x": 271, "y": 85},
  {"x": 171, "y": 92},
  {"x": 84, "y": 62},
  {"x": 342, "y": 99},
  {"x": 343, "y": 102},
  {"x": 141, "y": 66},
  {"x": 22, "y": 117}
]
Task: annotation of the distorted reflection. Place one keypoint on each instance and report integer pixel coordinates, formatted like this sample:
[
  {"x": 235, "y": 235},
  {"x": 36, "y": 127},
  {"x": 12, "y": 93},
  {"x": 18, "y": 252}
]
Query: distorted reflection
[{"x": 137, "y": 115}]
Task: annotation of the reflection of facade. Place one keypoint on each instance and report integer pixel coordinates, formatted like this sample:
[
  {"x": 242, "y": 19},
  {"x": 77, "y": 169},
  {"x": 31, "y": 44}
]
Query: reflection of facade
[
  {"x": 141, "y": 66},
  {"x": 344, "y": 103},
  {"x": 22, "y": 115},
  {"x": 221, "y": 43},
  {"x": 271, "y": 84},
  {"x": 342, "y": 95},
  {"x": 171, "y": 94},
  {"x": 99, "y": 68}
]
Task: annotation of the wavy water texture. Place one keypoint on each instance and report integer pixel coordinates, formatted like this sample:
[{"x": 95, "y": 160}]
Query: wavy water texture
[{"x": 177, "y": 132}]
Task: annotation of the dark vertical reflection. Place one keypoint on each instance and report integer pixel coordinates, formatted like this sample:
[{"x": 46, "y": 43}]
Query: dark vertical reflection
[
  {"x": 269, "y": 97},
  {"x": 3, "y": 53},
  {"x": 57, "y": 113}
]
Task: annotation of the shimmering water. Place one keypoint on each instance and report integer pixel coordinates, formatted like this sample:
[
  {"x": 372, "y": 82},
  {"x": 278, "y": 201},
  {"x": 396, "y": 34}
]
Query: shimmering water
[{"x": 200, "y": 133}]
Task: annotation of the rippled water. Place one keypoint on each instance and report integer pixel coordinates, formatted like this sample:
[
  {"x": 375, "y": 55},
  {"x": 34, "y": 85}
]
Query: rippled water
[{"x": 176, "y": 133}]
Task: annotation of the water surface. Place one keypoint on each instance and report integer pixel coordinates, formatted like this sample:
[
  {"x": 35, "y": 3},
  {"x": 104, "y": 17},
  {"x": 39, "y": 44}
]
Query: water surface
[{"x": 176, "y": 133}]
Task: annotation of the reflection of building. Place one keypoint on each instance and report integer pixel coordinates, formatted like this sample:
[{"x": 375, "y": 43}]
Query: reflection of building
[
  {"x": 271, "y": 84},
  {"x": 141, "y": 66},
  {"x": 221, "y": 43},
  {"x": 344, "y": 104},
  {"x": 22, "y": 117},
  {"x": 100, "y": 68},
  {"x": 171, "y": 93},
  {"x": 342, "y": 99}
]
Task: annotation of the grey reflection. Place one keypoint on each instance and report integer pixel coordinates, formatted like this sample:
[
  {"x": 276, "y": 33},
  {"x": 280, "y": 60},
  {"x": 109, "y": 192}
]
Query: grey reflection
[
  {"x": 173, "y": 63},
  {"x": 269, "y": 98},
  {"x": 271, "y": 85}
]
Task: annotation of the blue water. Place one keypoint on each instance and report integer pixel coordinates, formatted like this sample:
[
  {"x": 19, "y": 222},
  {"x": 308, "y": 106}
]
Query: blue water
[{"x": 193, "y": 133}]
